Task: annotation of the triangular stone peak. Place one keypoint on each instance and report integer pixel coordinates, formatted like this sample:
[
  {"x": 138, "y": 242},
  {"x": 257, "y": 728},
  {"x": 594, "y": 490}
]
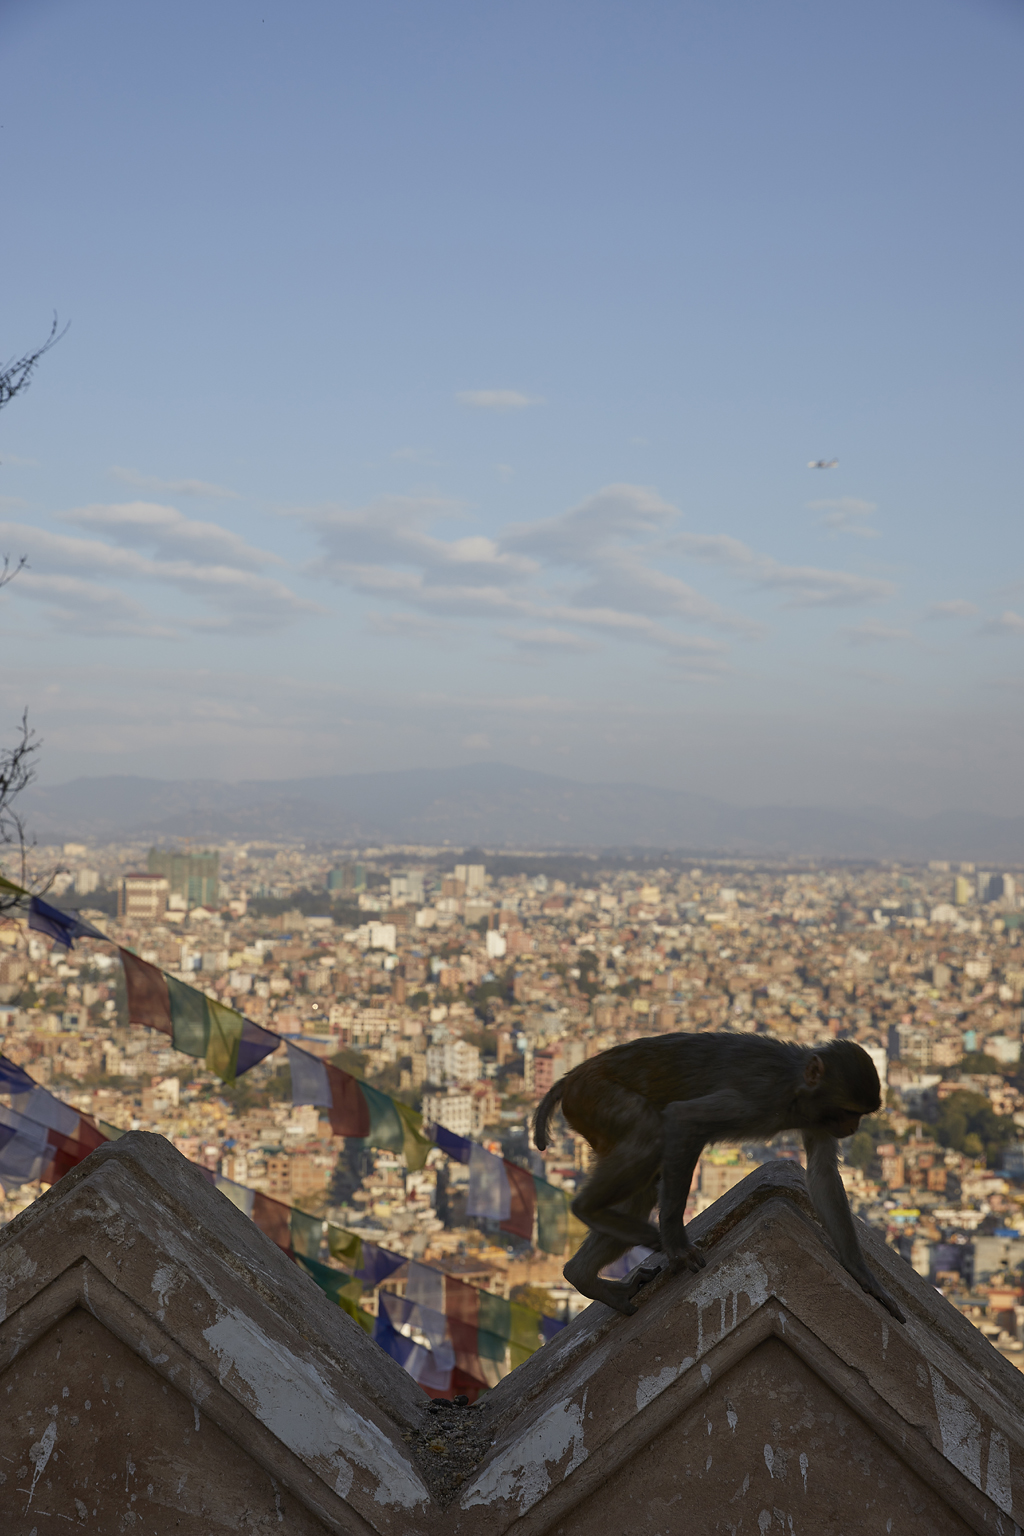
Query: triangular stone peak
[{"x": 166, "y": 1369}]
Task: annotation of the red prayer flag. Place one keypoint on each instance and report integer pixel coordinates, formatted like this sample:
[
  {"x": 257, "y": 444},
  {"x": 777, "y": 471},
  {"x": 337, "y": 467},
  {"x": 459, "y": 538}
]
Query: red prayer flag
[
  {"x": 69, "y": 1150},
  {"x": 274, "y": 1219},
  {"x": 349, "y": 1112},
  {"x": 523, "y": 1201},
  {"x": 148, "y": 998},
  {"x": 462, "y": 1308}
]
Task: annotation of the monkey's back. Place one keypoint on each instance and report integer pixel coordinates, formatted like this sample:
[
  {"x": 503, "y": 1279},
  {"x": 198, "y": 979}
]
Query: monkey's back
[{"x": 664, "y": 1069}]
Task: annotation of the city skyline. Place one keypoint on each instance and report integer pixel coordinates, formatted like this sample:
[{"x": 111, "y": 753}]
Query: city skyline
[{"x": 448, "y": 394}]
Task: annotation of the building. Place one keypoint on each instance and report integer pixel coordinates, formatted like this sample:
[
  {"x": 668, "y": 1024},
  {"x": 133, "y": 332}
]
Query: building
[
  {"x": 86, "y": 881},
  {"x": 453, "y": 1061},
  {"x": 453, "y": 1109},
  {"x": 347, "y": 878},
  {"x": 195, "y": 876},
  {"x": 142, "y": 898},
  {"x": 407, "y": 888},
  {"x": 473, "y": 877}
]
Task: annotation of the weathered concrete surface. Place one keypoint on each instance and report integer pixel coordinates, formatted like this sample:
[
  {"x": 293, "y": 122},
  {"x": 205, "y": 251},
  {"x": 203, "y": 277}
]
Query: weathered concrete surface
[{"x": 165, "y": 1368}]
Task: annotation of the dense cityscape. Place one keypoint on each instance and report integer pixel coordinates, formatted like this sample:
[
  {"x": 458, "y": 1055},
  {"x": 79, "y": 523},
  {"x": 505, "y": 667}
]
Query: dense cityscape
[{"x": 466, "y": 984}]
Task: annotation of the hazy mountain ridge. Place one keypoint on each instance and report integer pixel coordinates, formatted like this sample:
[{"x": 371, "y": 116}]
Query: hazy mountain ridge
[{"x": 496, "y": 805}]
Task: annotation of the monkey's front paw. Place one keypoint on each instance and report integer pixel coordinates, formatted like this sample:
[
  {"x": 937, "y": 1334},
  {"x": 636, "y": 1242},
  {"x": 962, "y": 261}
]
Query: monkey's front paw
[
  {"x": 870, "y": 1284},
  {"x": 686, "y": 1259}
]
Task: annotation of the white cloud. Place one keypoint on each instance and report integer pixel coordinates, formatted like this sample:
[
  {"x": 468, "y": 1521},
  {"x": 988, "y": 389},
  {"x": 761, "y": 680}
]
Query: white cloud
[
  {"x": 415, "y": 626},
  {"x": 548, "y": 640},
  {"x": 170, "y": 533},
  {"x": 807, "y": 586},
  {"x": 873, "y": 633},
  {"x": 574, "y": 537},
  {"x": 1008, "y": 623},
  {"x": 846, "y": 514},
  {"x": 392, "y": 530},
  {"x": 86, "y": 608},
  {"x": 247, "y": 601},
  {"x": 152, "y": 483},
  {"x": 955, "y": 608},
  {"x": 497, "y": 399}
]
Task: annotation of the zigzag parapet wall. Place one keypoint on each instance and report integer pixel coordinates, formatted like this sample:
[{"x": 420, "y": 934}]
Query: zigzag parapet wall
[{"x": 166, "y": 1369}]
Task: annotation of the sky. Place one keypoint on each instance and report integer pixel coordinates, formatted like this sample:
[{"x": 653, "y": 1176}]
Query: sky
[{"x": 442, "y": 382}]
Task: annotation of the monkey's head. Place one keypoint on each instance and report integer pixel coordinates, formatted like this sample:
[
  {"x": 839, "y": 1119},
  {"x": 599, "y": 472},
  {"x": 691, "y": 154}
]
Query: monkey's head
[{"x": 841, "y": 1085}]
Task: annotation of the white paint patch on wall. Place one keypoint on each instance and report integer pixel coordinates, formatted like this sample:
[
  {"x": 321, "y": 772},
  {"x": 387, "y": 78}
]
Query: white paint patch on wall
[
  {"x": 650, "y": 1387},
  {"x": 959, "y": 1427},
  {"x": 998, "y": 1481},
  {"x": 15, "y": 1266},
  {"x": 743, "y": 1274},
  {"x": 293, "y": 1401},
  {"x": 520, "y": 1473}
]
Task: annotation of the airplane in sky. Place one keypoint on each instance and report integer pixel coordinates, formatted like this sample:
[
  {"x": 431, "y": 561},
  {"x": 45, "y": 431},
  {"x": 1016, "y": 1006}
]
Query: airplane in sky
[{"x": 823, "y": 464}]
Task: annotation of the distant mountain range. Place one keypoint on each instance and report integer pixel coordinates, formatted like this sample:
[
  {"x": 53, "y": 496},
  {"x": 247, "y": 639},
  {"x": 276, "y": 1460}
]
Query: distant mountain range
[{"x": 493, "y": 805}]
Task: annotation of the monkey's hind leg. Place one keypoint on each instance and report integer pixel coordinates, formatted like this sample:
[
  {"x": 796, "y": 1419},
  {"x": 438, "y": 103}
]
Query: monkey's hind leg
[{"x": 599, "y": 1249}]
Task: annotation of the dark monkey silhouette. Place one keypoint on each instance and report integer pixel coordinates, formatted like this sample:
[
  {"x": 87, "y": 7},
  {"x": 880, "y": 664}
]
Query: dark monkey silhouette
[{"x": 649, "y": 1108}]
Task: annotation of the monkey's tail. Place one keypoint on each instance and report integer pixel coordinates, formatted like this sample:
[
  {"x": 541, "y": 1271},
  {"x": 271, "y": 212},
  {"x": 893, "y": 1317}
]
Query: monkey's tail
[{"x": 544, "y": 1111}]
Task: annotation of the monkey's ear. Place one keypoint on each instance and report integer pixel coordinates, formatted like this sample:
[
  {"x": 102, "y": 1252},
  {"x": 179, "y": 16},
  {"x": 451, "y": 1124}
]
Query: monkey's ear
[{"x": 814, "y": 1071}]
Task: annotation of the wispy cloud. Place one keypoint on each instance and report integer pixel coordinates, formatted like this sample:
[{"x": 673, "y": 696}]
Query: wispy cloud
[
  {"x": 806, "y": 586},
  {"x": 497, "y": 399},
  {"x": 245, "y": 600},
  {"x": 548, "y": 641},
  {"x": 146, "y": 524},
  {"x": 19, "y": 463},
  {"x": 955, "y": 608},
  {"x": 630, "y": 512},
  {"x": 87, "y": 608},
  {"x": 1008, "y": 623},
  {"x": 873, "y": 633},
  {"x": 549, "y": 585},
  {"x": 846, "y": 514},
  {"x": 392, "y": 531},
  {"x": 158, "y": 487}
]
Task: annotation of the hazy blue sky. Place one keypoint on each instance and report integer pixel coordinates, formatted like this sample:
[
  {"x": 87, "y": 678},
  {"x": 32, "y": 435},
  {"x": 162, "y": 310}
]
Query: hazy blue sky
[{"x": 442, "y": 380}]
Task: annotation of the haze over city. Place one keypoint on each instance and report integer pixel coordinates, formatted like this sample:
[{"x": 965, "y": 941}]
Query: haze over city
[{"x": 441, "y": 388}]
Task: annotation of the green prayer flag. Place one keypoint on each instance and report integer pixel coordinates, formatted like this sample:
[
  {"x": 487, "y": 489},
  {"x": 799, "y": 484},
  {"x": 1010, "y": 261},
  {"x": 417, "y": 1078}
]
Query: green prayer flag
[
  {"x": 493, "y": 1327},
  {"x": 387, "y": 1132},
  {"x": 342, "y": 1289},
  {"x": 416, "y": 1146},
  {"x": 524, "y": 1333},
  {"x": 345, "y": 1246},
  {"x": 225, "y": 1034},
  {"x": 552, "y": 1217},
  {"x": 190, "y": 1018},
  {"x": 306, "y": 1233}
]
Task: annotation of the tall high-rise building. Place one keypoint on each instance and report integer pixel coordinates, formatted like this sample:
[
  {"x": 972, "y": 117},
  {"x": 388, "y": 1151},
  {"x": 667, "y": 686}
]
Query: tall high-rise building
[
  {"x": 195, "y": 876},
  {"x": 473, "y": 877},
  {"x": 348, "y": 877},
  {"x": 962, "y": 890}
]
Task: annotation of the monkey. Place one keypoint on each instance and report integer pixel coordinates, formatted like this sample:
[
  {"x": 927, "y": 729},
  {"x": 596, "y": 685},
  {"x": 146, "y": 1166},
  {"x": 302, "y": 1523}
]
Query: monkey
[{"x": 649, "y": 1108}]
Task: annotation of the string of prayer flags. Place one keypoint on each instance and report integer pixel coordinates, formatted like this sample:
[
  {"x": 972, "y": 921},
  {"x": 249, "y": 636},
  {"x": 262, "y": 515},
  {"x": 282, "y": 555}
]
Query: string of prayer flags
[
  {"x": 501, "y": 1191},
  {"x": 40, "y": 1137},
  {"x": 197, "y": 1025},
  {"x": 343, "y": 1289},
  {"x": 356, "y": 1109},
  {"x": 63, "y": 927},
  {"x": 368, "y": 1261}
]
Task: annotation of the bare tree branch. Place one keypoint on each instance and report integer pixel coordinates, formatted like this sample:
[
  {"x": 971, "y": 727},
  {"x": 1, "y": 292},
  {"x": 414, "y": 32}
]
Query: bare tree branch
[
  {"x": 17, "y": 770},
  {"x": 9, "y": 571},
  {"x": 17, "y": 374}
]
